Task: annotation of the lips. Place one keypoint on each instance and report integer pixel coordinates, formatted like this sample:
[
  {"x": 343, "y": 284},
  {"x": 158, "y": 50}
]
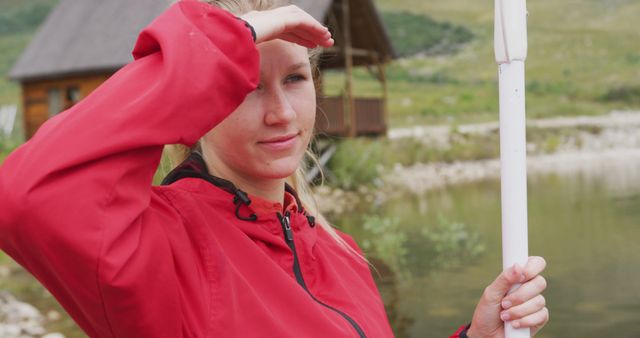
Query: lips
[
  {"x": 279, "y": 139},
  {"x": 279, "y": 143}
]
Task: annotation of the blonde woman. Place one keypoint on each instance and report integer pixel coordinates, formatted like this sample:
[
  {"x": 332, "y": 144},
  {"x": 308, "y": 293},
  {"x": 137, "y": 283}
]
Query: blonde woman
[{"x": 229, "y": 245}]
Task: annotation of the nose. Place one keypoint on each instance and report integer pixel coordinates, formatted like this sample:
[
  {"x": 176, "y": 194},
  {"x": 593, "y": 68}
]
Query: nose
[{"x": 278, "y": 109}]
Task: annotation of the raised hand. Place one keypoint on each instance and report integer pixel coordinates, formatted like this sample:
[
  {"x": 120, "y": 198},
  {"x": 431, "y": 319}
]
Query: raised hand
[{"x": 289, "y": 23}]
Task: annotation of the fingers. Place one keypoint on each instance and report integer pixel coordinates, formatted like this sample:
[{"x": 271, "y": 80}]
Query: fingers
[
  {"x": 289, "y": 23},
  {"x": 302, "y": 21},
  {"x": 526, "y": 306},
  {"x": 496, "y": 290},
  {"x": 535, "y": 320},
  {"x": 535, "y": 265},
  {"x": 298, "y": 40},
  {"x": 525, "y": 309},
  {"x": 522, "y": 307},
  {"x": 525, "y": 292},
  {"x": 537, "y": 327},
  {"x": 306, "y": 40}
]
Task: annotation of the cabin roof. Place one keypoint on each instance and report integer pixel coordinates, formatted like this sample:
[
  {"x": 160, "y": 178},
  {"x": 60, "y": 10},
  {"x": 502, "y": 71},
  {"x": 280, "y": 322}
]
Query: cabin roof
[{"x": 92, "y": 36}]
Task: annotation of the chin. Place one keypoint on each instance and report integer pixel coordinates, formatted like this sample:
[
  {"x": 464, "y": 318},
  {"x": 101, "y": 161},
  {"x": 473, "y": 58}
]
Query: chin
[{"x": 279, "y": 169}]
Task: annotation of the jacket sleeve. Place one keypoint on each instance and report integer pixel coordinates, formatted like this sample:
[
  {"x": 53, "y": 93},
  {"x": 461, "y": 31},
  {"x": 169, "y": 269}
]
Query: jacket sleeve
[
  {"x": 461, "y": 332},
  {"x": 76, "y": 204}
]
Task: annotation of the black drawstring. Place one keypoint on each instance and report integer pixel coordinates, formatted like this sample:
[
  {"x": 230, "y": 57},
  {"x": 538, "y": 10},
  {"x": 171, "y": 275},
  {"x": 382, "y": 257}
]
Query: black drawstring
[
  {"x": 311, "y": 220},
  {"x": 195, "y": 166},
  {"x": 240, "y": 199}
]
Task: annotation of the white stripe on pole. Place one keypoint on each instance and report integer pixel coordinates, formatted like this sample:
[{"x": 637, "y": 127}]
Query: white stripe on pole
[{"x": 510, "y": 34}]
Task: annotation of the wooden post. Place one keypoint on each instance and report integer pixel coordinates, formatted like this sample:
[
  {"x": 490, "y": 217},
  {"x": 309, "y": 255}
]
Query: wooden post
[
  {"x": 25, "y": 113},
  {"x": 348, "y": 57},
  {"x": 382, "y": 67},
  {"x": 381, "y": 75}
]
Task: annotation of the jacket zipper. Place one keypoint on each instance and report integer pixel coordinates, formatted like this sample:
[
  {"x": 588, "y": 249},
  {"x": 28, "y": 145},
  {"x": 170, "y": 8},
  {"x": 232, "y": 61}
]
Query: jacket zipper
[{"x": 288, "y": 236}]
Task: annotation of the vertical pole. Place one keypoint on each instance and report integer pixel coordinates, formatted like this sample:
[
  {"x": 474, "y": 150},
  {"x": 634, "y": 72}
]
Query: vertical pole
[
  {"x": 510, "y": 44},
  {"x": 348, "y": 57},
  {"x": 514, "y": 172},
  {"x": 385, "y": 93}
]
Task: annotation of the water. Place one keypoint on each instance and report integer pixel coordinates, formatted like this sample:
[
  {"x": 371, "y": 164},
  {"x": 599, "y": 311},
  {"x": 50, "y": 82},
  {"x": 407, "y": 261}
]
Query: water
[{"x": 585, "y": 223}]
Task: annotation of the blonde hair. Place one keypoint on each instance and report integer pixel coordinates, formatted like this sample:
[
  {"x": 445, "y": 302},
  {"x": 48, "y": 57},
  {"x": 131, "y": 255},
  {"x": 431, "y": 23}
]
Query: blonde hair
[{"x": 177, "y": 153}]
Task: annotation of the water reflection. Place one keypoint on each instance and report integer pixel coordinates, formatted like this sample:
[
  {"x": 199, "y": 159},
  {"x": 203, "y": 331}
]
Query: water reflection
[{"x": 436, "y": 252}]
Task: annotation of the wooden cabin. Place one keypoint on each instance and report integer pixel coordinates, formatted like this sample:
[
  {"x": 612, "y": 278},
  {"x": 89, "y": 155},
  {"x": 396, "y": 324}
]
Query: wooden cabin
[{"x": 82, "y": 43}]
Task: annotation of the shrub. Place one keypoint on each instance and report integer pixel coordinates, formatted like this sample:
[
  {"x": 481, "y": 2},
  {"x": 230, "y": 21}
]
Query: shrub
[
  {"x": 356, "y": 162},
  {"x": 624, "y": 94}
]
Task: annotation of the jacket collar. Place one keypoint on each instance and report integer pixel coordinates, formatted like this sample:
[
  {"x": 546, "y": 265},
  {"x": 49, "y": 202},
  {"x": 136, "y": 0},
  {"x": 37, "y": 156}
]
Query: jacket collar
[{"x": 194, "y": 166}]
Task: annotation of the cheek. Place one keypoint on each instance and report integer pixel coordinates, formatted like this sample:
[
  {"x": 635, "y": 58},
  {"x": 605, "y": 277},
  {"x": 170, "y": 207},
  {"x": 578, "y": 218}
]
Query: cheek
[
  {"x": 305, "y": 106},
  {"x": 227, "y": 141}
]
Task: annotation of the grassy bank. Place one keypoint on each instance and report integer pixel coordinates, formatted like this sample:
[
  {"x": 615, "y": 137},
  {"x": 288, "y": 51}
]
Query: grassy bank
[{"x": 363, "y": 161}]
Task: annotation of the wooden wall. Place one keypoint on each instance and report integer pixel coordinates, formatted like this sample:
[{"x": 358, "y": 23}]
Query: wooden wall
[
  {"x": 36, "y": 97},
  {"x": 332, "y": 118}
]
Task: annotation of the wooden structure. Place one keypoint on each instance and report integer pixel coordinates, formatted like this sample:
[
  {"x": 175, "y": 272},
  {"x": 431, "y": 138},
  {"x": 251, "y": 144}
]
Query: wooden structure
[{"x": 82, "y": 43}]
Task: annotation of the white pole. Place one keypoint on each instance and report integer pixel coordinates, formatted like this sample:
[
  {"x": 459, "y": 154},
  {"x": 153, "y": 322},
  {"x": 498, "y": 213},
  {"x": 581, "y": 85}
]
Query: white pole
[{"x": 511, "y": 51}]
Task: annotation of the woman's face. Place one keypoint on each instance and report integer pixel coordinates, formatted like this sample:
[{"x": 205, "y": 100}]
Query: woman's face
[{"x": 267, "y": 135}]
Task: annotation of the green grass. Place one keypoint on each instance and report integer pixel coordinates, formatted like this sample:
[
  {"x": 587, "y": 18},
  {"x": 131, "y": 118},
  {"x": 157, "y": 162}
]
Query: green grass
[
  {"x": 11, "y": 46},
  {"x": 579, "y": 53},
  {"x": 435, "y": 37},
  {"x": 18, "y": 22},
  {"x": 19, "y": 18}
]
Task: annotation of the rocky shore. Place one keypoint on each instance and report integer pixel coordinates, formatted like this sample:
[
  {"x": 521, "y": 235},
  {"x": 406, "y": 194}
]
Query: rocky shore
[
  {"x": 21, "y": 320},
  {"x": 598, "y": 144}
]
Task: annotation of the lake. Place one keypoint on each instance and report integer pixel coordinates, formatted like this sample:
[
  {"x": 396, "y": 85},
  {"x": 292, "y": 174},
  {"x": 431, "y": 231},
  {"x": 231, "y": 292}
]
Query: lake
[{"x": 436, "y": 252}]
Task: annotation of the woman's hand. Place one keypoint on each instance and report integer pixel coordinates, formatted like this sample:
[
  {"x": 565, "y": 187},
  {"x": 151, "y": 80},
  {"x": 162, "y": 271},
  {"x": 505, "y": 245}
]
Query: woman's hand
[
  {"x": 524, "y": 308},
  {"x": 288, "y": 23}
]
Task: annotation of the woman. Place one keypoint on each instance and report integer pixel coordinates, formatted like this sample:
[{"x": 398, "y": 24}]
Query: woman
[{"x": 225, "y": 248}]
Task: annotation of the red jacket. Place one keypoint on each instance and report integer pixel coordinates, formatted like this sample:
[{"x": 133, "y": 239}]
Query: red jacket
[{"x": 188, "y": 259}]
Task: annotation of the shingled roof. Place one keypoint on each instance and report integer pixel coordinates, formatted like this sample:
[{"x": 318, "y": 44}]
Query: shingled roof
[
  {"x": 98, "y": 36},
  {"x": 87, "y": 35}
]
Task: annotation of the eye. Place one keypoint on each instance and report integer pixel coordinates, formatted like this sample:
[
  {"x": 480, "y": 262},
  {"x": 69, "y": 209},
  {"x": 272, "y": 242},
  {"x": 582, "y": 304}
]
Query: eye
[{"x": 295, "y": 78}]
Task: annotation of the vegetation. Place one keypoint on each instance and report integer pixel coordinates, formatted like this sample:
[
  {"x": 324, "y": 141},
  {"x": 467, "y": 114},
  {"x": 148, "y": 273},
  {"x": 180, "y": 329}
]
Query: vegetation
[
  {"x": 18, "y": 19},
  {"x": 627, "y": 95},
  {"x": 363, "y": 161},
  {"x": 445, "y": 244},
  {"x": 420, "y": 34}
]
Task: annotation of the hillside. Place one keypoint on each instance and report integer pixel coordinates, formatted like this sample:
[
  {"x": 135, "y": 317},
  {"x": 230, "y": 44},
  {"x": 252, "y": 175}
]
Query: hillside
[{"x": 582, "y": 59}]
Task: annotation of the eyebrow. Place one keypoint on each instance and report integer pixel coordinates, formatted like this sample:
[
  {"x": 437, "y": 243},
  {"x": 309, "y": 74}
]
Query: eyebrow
[
  {"x": 294, "y": 67},
  {"x": 298, "y": 66}
]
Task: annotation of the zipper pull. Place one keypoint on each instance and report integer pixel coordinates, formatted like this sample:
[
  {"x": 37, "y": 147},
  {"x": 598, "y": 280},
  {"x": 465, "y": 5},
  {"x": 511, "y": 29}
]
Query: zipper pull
[{"x": 286, "y": 225}]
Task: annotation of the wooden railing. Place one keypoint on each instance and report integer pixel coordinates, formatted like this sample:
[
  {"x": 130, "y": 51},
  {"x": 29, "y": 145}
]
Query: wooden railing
[{"x": 332, "y": 119}]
